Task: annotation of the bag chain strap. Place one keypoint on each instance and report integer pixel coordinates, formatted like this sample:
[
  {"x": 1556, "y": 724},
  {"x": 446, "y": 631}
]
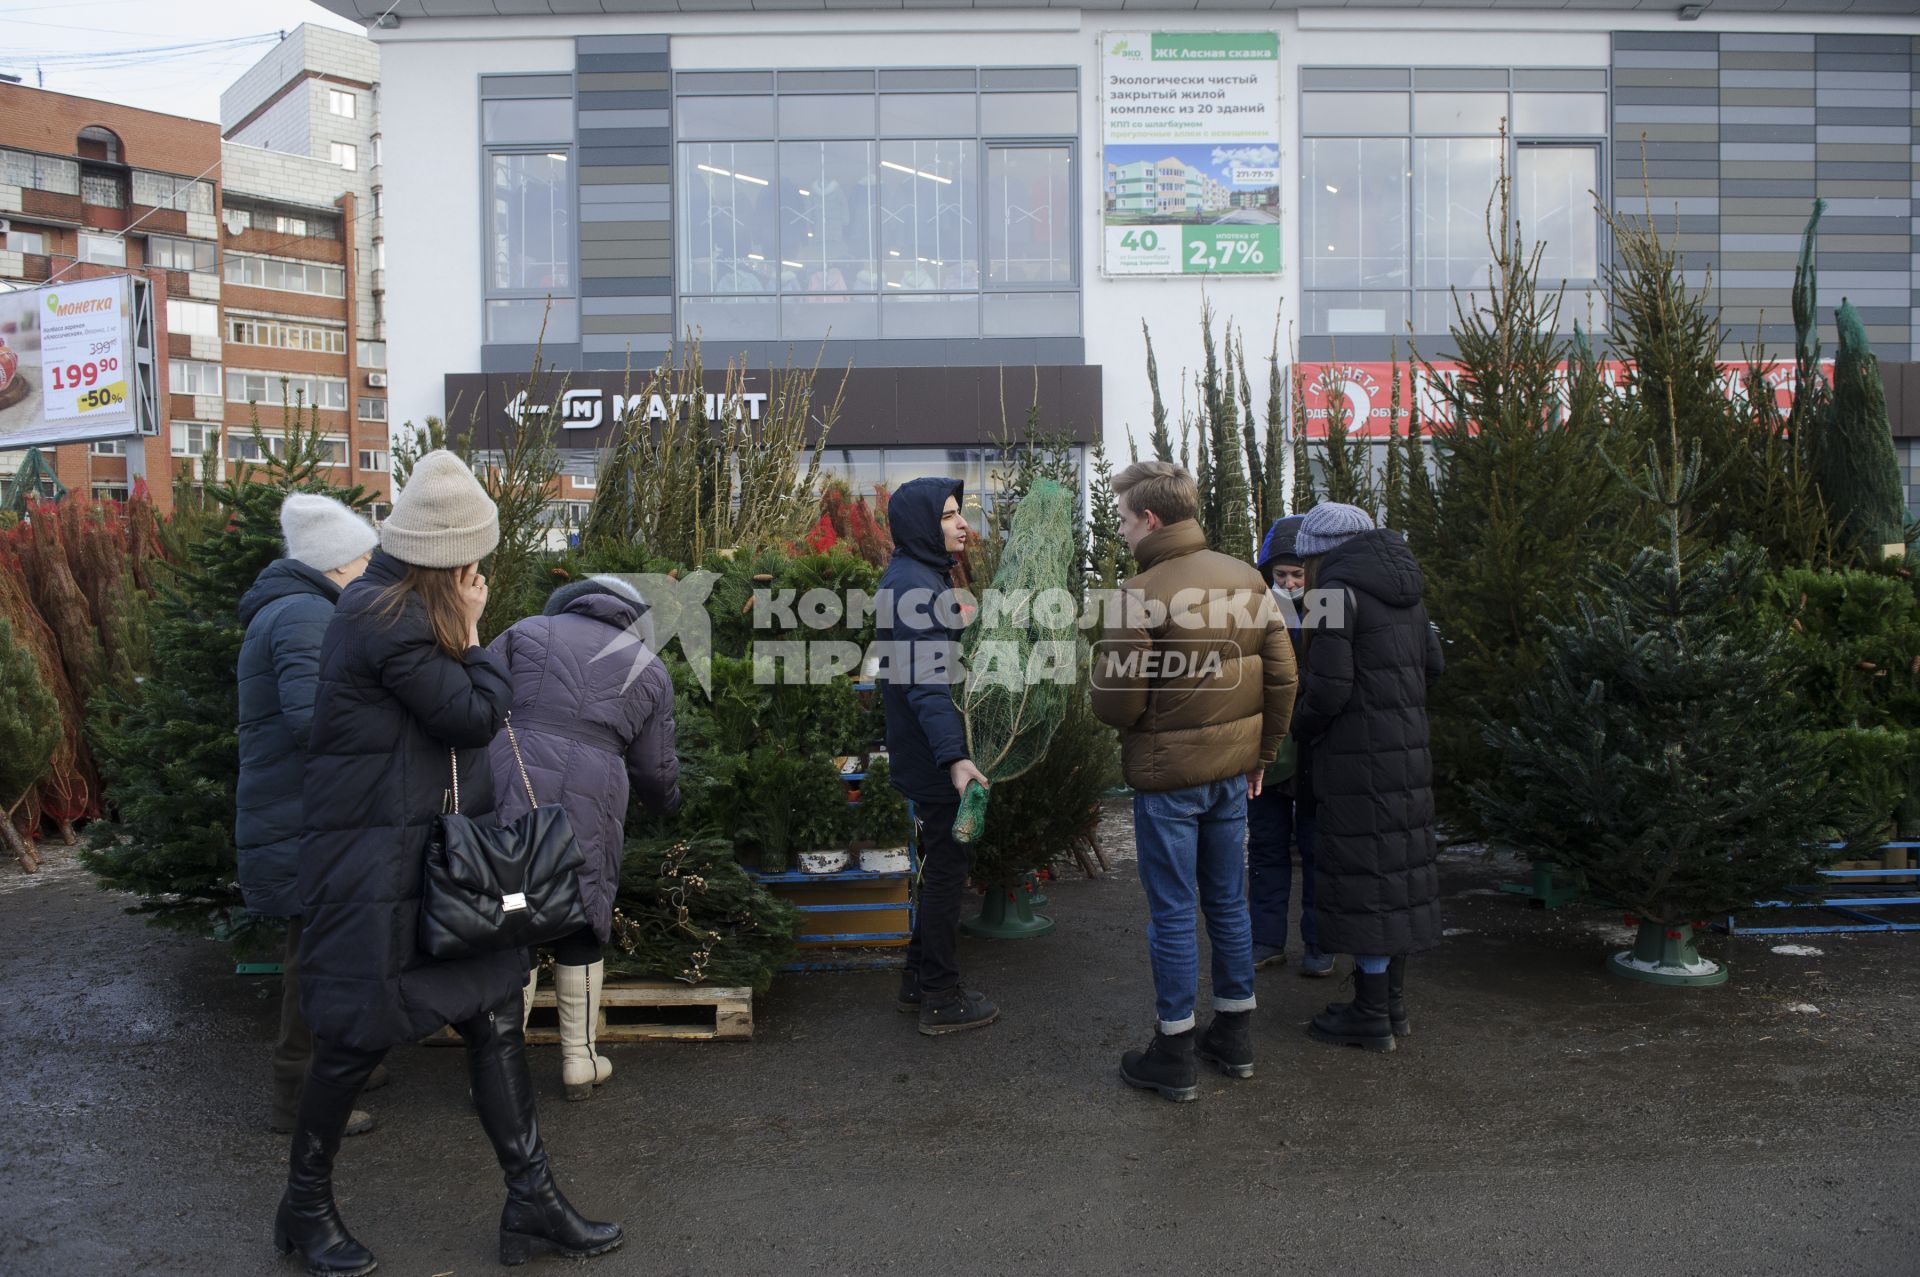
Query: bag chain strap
[{"x": 453, "y": 757}]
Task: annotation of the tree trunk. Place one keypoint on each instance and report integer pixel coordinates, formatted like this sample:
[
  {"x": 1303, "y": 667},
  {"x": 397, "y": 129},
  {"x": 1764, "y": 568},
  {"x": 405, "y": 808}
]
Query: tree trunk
[{"x": 17, "y": 844}]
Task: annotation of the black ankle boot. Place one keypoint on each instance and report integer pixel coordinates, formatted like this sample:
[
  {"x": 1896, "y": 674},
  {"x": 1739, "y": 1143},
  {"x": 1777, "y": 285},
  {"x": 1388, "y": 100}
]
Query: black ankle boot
[
  {"x": 1362, "y": 1022},
  {"x": 1228, "y": 1043},
  {"x": 908, "y": 998},
  {"x": 537, "y": 1217},
  {"x": 308, "y": 1221},
  {"x": 1165, "y": 1066},
  {"x": 1397, "y": 996}
]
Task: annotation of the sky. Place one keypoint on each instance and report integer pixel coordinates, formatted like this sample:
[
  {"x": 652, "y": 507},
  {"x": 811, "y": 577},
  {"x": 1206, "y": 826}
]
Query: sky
[{"x": 115, "y": 50}]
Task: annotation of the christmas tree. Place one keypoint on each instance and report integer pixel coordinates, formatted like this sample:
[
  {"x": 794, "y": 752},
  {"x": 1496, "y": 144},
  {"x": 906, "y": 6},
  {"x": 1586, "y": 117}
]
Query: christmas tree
[
  {"x": 1661, "y": 754},
  {"x": 169, "y": 748},
  {"x": 1852, "y": 449},
  {"x": 29, "y": 735}
]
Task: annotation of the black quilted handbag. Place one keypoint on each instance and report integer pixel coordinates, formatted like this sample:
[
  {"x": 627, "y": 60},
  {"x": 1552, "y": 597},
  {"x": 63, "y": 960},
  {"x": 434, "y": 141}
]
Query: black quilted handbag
[{"x": 491, "y": 887}]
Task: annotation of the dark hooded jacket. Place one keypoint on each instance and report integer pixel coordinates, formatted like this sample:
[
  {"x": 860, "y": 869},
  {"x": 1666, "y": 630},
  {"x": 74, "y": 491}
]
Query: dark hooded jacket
[
  {"x": 588, "y": 718},
  {"x": 391, "y": 706},
  {"x": 286, "y": 611},
  {"x": 926, "y": 733},
  {"x": 1363, "y": 713},
  {"x": 1276, "y": 546}
]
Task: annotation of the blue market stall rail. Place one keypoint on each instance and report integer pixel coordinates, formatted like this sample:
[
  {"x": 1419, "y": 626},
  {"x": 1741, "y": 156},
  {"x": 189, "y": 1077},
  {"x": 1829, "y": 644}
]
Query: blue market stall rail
[{"x": 1849, "y": 894}]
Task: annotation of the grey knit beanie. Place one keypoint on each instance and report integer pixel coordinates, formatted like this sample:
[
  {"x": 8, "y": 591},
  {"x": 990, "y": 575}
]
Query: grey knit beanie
[
  {"x": 443, "y": 518},
  {"x": 1327, "y": 525},
  {"x": 323, "y": 533}
]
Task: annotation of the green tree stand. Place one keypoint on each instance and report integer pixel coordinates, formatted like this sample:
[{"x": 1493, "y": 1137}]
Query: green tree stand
[
  {"x": 1006, "y": 913},
  {"x": 1666, "y": 955}
]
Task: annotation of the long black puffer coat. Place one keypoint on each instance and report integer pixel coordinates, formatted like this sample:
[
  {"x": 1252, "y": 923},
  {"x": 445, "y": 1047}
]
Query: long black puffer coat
[
  {"x": 286, "y": 611},
  {"x": 390, "y": 704},
  {"x": 1363, "y": 713}
]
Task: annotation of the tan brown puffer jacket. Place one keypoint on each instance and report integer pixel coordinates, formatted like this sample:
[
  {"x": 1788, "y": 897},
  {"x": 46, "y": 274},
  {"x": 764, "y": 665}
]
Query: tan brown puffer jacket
[{"x": 1195, "y": 667}]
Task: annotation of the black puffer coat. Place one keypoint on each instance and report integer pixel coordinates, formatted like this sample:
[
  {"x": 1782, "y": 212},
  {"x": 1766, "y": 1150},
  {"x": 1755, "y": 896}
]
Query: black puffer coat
[
  {"x": 926, "y": 733},
  {"x": 391, "y": 702},
  {"x": 1363, "y": 712},
  {"x": 286, "y": 611}
]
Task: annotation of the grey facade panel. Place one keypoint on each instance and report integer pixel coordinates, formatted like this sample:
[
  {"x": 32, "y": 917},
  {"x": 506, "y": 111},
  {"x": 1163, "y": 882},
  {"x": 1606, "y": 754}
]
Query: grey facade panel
[
  {"x": 1771, "y": 152},
  {"x": 1863, "y": 116},
  {"x": 1666, "y": 58},
  {"x": 1029, "y": 78},
  {"x": 634, "y": 193},
  {"x": 1840, "y": 80},
  {"x": 928, "y": 80},
  {"x": 1767, "y": 132},
  {"x": 1766, "y": 97},
  {"x": 1697, "y": 40},
  {"x": 1758, "y": 170},
  {"x": 1459, "y": 78},
  {"x": 592, "y": 214},
  {"x": 1529, "y": 78},
  {"x": 621, "y": 63},
  {"x": 1684, "y": 151},
  {"x": 1883, "y": 134},
  {"x": 1628, "y": 134},
  {"x": 1744, "y": 42},
  {"x": 1672, "y": 115},
  {"x": 624, "y": 325},
  {"x": 1862, "y": 61},
  {"x": 628, "y": 100},
  {"x": 1678, "y": 77},
  {"x": 627, "y": 286},
  {"x": 1741, "y": 79},
  {"x": 624, "y": 174},
  {"x": 626, "y": 306},
  {"x": 589, "y": 45},
  {"x": 1766, "y": 61},
  {"x": 1901, "y": 262},
  {"x": 1666, "y": 97},
  {"x": 1630, "y": 167},
  {"x": 594, "y": 141},
  {"x": 621, "y": 81},
  {"x": 1856, "y": 172},
  {"x": 625, "y": 155},
  {"x": 565, "y": 356},
  {"x": 1841, "y": 43},
  {"x": 638, "y": 343},
  {"x": 1900, "y": 99},
  {"x": 1861, "y": 225},
  {"x": 656, "y": 118},
  {"x": 723, "y": 82},
  {"x": 824, "y": 81},
  {"x": 627, "y": 230}
]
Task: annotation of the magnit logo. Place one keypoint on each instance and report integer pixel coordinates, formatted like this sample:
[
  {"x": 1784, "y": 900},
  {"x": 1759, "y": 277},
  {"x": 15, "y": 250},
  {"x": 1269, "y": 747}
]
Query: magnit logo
[{"x": 577, "y": 409}]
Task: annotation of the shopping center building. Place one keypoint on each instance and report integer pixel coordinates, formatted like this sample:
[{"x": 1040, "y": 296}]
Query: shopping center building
[{"x": 976, "y": 208}]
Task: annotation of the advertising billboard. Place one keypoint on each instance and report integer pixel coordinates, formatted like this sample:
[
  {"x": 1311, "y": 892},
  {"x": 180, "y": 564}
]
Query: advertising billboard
[
  {"x": 1190, "y": 131},
  {"x": 76, "y": 362}
]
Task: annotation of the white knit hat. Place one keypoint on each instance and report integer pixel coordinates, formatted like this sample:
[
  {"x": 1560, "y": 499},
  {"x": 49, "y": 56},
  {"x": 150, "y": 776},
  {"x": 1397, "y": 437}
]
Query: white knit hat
[
  {"x": 443, "y": 518},
  {"x": 323, "y": 533}
]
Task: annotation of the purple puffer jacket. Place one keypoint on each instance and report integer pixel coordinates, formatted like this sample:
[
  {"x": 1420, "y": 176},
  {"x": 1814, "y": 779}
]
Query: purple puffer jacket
[{"x": 584, "y": 730}]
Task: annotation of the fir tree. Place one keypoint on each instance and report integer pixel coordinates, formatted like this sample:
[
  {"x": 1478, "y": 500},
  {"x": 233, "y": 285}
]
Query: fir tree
[
  {"x": 1852, "y": 448},
  {"x": 1278, "y": 440},
  {"x": 1224, "y": 499},
  {"x": 29, "y": 735},
  {"x": 1110, "y": 561},
  {"x": 1303, "y": 493},
  {"x": 1393, "y": 498},
  {"x": 1161, "y": 440},
  {"x": 169, "y": 748}
]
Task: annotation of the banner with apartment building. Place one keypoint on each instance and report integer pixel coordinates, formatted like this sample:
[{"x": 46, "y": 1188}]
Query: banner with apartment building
[{"x": 1191, "y": 138}]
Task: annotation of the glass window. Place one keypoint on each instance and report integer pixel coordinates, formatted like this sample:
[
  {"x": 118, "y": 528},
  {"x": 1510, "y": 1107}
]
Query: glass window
[
  {"x": 528, "y": 120},
  {"x": 344, "y": 154},
  {"x": 34, "y": 242},
  {"x": 826, "y": 217},
  {"x": 1355, "y": 203},
  {"x": 1453, "y": 180},
  {"x": 1548, "y": 113},
  {"x": 284, "y": 275},
  {"x": 731, "y": 318},
  {"x": 1458, "y": 112},
  {"x": 1553, "y": 199},
  {"x": 530, "y": 224},
  {"x": 1025, "y": 114},
  {"x": 182, "y": 254},
  {"x": 340, "y": 103},
  {"x": 1336, "y": 313},
  {"x": 1353, "y": 113},
  {"x": 929, "y": 238},
  {"x": 842, "y": 318},
  {"x": 372, "y": 459},
  {"x": 1029, "y": 223},
  {"x": 931, "y": 314},
  {"x": 372, "y": 354},
  {"x": 196, "y": 319},
  {"x": 246, "y": 447},
  {"x": 527, "y": 320},
  {"x": 109, "y": 447},
  {"x": 267, "y": 388},
  {"x": 748, "y": 118},
  {"x": 103, "y": 250},
  {"x": 191, "y": 377},
  {"x": 40, "y": 172},
  {"x": 927, "y": 114},
  {"x": 1031, "y": 314},
  {"x": 103, "y": 190},
  {"x": 372, "y": 410},
  {"x": 827, "y": 115},
  {"x": 729, "y": 239},
  {"x": 192, "y": 438}
]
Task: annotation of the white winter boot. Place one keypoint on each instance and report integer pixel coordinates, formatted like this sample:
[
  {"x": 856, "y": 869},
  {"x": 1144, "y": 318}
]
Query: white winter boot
[
  {"x": 527, "y": 993},
  {"x": 577, "y": 992}
]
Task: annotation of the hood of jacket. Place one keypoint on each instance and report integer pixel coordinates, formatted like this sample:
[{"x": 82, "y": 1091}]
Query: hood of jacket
[
  {"x": 1278, "y": 543},
  {"x": 1378, "y": 563},
  {"x": 610, "y": 609},
  {"x": 913, "y": 516},
  {"x": 281, "y": 578}
]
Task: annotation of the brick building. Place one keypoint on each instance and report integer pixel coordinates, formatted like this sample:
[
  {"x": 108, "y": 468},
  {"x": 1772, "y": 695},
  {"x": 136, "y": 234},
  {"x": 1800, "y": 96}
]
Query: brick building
[{"x": 89, "y": 189}]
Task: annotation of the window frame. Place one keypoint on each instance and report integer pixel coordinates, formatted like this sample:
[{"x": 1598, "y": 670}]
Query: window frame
[
  {"x": 566, "y": 302},
  {"x": 335, "y": 97},
  {"x": 351, "y": 162},
  {"x": 84, "y": 239}
]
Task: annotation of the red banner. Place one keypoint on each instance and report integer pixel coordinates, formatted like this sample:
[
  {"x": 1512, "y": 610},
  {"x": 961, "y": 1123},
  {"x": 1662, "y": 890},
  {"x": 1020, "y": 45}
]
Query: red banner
[{"x": 1367, "y": 389}]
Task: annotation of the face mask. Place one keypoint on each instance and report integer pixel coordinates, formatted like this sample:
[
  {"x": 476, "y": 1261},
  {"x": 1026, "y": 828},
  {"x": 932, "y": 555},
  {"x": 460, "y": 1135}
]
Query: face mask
[{"x": 1291, "y": 592}]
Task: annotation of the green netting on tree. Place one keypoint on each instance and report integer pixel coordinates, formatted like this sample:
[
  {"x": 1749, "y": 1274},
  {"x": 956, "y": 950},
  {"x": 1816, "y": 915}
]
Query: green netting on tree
[{"x": 1020, "y": 653}]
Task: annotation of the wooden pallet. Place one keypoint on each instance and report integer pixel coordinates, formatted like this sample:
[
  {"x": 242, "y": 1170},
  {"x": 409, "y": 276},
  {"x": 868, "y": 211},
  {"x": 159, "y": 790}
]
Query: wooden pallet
[{"x": 644, "y": 1011}]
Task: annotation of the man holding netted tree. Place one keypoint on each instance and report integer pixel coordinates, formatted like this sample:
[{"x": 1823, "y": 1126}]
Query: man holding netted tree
[
  {"x": 1196, "y": 670},
  {"x": 918, "y": 636}
]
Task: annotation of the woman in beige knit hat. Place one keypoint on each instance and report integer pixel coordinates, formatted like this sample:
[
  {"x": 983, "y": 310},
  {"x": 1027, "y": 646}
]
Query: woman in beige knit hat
[{"x": 403, "y": 679}]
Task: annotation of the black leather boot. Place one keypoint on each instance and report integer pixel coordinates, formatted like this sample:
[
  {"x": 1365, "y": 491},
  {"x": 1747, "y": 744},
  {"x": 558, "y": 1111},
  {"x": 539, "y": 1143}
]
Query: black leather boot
[
  {"x": 537, "y": 1217},
  {"x": 1165, "y": 1066},
  {"x": 308, "y": 1221},
  {"x": 1228, "y": 1043},
  {"x": 1362, "y": 1022},
  {"x": 908, "y": 998},
  {"x": 1397, "y": 996}
]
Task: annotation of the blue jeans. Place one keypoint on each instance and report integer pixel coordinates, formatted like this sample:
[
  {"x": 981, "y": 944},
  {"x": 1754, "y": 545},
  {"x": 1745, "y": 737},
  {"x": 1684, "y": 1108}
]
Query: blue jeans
[
  {"x": 1274, "y": 822},
  {"x": 1192, "y": 860}
]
